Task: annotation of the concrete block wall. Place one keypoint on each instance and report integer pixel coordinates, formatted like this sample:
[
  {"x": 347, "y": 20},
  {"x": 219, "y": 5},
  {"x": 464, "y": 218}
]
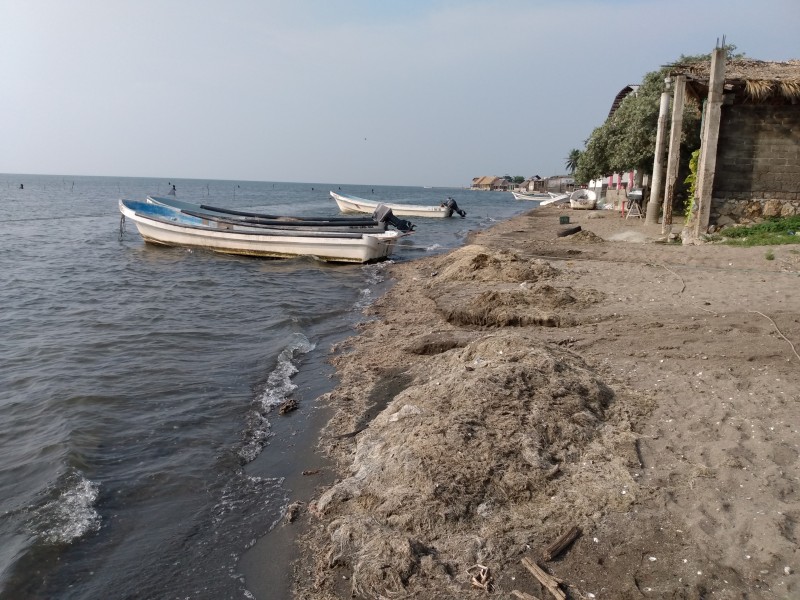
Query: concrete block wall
[{"x": 758, "y": 164}]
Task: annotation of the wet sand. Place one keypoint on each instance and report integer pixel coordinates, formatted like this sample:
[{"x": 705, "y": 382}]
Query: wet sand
[{"x": 500, "y": 395}]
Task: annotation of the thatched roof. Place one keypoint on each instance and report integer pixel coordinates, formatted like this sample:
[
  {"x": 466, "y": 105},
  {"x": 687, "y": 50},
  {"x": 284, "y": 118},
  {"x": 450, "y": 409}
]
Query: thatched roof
[
  {"x": 759, "y": 80},
  {"x": 486, "y": 180}
]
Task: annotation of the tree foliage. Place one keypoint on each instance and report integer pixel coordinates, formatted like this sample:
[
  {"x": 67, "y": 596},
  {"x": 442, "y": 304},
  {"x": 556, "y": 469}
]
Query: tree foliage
[{"x": 627, "y": 139}]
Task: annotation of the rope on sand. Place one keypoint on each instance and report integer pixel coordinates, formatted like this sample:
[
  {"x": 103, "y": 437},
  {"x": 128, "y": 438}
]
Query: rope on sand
[
  {"x": 780, "y": 333},
  {"x": 676, "y": 275}
]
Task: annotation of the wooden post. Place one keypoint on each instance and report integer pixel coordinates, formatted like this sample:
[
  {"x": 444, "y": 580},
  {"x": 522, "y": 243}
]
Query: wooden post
[
  {"x": 674, "y": 151},
  {"x": 654, "y": 204},
  {"x": 708, "y": 143}
]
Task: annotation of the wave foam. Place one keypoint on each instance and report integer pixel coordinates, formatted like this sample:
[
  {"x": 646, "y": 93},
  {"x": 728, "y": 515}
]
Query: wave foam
[
  {"x": 70, "y": 514},
  {"x": 277, "y": 390}
]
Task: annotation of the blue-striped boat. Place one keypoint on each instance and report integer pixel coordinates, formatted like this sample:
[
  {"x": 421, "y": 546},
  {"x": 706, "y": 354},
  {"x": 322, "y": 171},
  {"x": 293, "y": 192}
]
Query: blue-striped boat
[{"x": 166, "y": 225}]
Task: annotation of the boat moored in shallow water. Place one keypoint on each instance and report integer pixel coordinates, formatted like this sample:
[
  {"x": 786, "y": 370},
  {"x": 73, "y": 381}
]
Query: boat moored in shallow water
[
  {"x": 353, "y": 204},
  {"x": 170, "y": 226}
]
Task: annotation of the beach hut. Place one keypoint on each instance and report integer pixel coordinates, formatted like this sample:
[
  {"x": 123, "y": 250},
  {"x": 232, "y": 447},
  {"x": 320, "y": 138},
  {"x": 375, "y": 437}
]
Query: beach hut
[{"x": 749, "y": 163}]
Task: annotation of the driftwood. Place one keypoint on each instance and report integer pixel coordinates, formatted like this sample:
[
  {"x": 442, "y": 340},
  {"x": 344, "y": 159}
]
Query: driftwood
[
  {"x": 562, "y": 543},
  {"x": 523, "y": 595},
  {"x": 547, "y": 580}
]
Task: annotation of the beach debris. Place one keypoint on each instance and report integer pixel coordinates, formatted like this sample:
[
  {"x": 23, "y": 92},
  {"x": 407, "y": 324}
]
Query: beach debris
[
  {"x": 568, "y": 231},
  {"x": 292, "y": 511},
  {"x": 523, "y": 595},
  {"x": 480, "y": 577},
  {"x": 562, "y": 543},
  {"x": 288, "y": 406},
  {"x": 547, "y": 580}
]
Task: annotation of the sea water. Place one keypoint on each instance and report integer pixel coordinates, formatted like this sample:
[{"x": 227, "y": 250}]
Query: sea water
[{"x": 139, "y": 384}]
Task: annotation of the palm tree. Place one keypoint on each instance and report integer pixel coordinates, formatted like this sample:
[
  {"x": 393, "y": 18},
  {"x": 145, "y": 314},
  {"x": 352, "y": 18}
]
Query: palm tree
[{"x": 572, "y": 160}]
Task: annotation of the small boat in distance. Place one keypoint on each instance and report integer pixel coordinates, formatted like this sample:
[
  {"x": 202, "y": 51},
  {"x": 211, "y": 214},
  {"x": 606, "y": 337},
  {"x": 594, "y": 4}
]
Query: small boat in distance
[
  {"x": 353, "y": 204},
  {"x": 583, "y": 200},
  {"x": 170, "y": 226}
]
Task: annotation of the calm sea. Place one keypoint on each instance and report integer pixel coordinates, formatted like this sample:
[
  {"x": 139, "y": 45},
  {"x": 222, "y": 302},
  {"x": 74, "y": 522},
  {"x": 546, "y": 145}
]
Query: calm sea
[{"x": 138, "y": 384}]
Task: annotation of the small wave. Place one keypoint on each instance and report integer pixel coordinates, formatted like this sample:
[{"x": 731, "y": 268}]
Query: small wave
[
  {"x": 364, "y": 300},
  {"x": 375, "y": 274},
  {"x": 279, "y": 383},
  {"x": 277, "y": 390},
  {"x": 70, "y": 514},
  {"x": 250, "y": 496}
]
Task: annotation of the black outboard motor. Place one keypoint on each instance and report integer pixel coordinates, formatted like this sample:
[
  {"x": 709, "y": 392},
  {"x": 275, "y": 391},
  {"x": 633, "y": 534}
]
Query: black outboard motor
[
  {"x": 384, "y": 214},
  {"x": 453, "y": 207}
]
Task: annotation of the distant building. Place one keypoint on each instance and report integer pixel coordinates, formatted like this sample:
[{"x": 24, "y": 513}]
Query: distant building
[
  {"x": 560, "y": 183},
  {"x": 533, "y": 184},
  {"x": 490, "y": 183}
]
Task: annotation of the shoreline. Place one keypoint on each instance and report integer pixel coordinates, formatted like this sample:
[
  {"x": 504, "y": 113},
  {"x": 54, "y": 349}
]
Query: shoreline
[{"x": 525, "y": 384}]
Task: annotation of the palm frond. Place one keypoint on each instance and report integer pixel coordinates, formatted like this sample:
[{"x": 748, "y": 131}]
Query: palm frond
[
  {"x": 758, "y": 89},
  {"x": 790, "y": 89}
]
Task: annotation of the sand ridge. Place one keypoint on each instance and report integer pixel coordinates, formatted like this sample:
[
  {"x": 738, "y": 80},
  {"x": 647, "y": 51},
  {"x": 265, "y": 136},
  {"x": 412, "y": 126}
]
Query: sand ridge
[{"x": 527, "y": 383}]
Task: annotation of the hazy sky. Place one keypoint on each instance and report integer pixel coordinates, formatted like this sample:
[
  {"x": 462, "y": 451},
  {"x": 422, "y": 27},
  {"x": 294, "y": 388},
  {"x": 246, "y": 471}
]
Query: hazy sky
[{"x": 397, "y": 92}]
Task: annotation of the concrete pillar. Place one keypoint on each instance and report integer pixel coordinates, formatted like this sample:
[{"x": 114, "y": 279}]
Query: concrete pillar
[
  {"x": 674, "y": 158},
  {"x": 654, "y": 204},
  {"x": 708, "y": 145}
]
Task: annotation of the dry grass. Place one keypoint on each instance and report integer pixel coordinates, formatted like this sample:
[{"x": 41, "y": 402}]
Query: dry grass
[
  {"x": 509, "y": 427},
  {"x": 790, "y": 89},
  {"x": 759, "y": 89}
]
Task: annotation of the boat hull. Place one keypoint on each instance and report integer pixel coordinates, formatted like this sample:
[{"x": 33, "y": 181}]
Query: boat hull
[
  {"x": 583, "y": 200},
  {"x": 349, "y": 248},
  {"x": 554, "y": 199},
  {"x": 352, "y": 204},
  {"x": 540, "y": 197}
]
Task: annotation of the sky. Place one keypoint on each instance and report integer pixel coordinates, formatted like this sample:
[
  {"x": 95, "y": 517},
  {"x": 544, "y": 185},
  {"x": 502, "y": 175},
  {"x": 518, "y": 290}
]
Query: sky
[{"x": 403, "y": 92}]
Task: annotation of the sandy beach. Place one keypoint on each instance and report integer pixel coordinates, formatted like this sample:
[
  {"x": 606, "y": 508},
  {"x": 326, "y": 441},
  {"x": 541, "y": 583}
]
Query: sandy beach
[{"x": 642, "y": 394}]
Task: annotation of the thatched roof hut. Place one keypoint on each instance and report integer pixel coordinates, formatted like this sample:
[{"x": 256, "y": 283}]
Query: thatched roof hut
[
  {"x": 751, "y": 81},
  {"x": 749, "y": 166}
]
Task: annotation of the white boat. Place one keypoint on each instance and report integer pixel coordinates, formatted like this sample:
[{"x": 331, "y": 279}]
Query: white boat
[
  {"x": 531, "y": 195},
  {"x": 353, "y": 204},
  {"x": 168, "y": 226},
  {"x": 239, "y": 217},
  {"x": 583, "y": 200},
  {"x": 554, "y": 199}
]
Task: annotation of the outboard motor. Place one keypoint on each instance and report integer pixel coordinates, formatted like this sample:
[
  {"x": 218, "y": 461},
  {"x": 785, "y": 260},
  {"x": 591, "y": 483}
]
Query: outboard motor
[
  {"x": 384, "y": 214},
  {"x": 453, "y": 207}
]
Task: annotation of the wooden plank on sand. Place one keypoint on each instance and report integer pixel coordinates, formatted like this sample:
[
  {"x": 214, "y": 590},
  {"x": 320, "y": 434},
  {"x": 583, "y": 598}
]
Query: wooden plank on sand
[
  {"x": 561, "y": 543},
  {"x": 545, "y": 579}
]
